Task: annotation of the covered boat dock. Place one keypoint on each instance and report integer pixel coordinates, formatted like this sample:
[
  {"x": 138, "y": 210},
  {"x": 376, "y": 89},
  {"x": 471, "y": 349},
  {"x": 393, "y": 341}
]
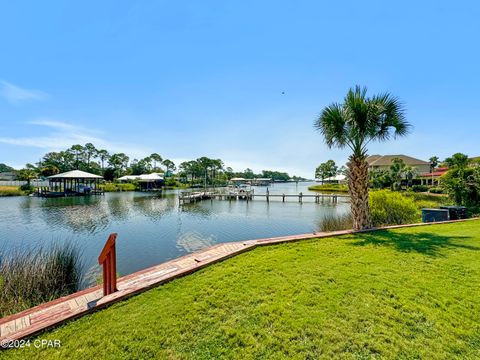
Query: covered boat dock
[
  {"x": 72, "y": 183},
  {"x": 146, "y": 182}
]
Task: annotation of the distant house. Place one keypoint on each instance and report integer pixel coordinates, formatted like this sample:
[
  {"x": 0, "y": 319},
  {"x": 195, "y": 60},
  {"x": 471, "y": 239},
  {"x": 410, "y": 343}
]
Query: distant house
[
  {"x": 8, "y": 176},
  {"x": 383, "y": 162},
  {"x": 433, "y": 177},
  {"x": 337, "y": 179},
  {"x": 153, "y": 181}
]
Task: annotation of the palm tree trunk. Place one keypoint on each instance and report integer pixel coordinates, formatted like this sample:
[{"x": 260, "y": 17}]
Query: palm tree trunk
[{"x": 358, "y": 188}]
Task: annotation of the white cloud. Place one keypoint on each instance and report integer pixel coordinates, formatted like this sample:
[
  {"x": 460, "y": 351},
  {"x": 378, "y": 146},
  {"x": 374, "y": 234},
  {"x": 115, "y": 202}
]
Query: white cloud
[
  {"x": 16, "y": 94},
  {"x": 63, "y": 135}
]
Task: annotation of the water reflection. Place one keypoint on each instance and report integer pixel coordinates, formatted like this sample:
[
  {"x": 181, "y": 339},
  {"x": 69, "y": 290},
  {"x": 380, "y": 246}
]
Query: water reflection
[
  {"x": 153, "y": 227},
  {"x": 154, "y": 207},
  {"x": 193, "y": 241},
  {"x": 197, "y": 209},
  {"x": 118, "y": 208}
]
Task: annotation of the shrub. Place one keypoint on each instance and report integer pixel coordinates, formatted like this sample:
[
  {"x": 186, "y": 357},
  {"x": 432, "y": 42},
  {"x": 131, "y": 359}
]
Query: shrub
[
  {"x": 171, "y": 182},
  {"x": 421, "y": 204},
  {"x": 463, "y": 185},
  {"x": 34, "y": 275},
  {"x": 27, "y": 188},
  {"x": 127, "y": 187},
  {"x": 332, "y": 222},
  {"x": 419, "y": 188},
  {"x": 436, "y": 190},
  {"x": 111, "y": 187},
  {"x": 392, "y": 208}
]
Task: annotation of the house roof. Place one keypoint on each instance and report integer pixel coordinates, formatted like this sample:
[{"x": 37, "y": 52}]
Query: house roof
[
  {"x": 143, "y": 177},
  {"x": 150, "y": 177},
  {"x": 372, "y": 158},
  {"x": 128, "y": 177},
  {"x": 75, "y": 174},
  {"x": 386, "y": 160},
  {"x": 438, "y": 172},
  {"x": 339, "y": 177}
]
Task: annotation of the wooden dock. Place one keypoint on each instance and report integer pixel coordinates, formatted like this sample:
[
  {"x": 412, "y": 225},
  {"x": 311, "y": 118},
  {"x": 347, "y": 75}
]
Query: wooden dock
[
  {"x": 191, "y": 197},
  {"x": 47, "y": 193}
]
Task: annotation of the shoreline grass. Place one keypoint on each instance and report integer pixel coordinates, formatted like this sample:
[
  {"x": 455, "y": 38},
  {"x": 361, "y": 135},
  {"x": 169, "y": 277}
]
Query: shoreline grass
[
  {"x": 32, "y": 275},
  {"x": 329, "y": 188},
  {"x": 10, "y": 191},
  {"x": 403, "y": 293}
]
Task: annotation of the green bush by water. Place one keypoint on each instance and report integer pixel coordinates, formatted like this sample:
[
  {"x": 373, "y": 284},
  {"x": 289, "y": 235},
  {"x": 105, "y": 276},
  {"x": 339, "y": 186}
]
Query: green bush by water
[
  {"x": 392, "y": 208},
  {"x": 33, "y": 275},
  {"x": 113, "y": 187}
]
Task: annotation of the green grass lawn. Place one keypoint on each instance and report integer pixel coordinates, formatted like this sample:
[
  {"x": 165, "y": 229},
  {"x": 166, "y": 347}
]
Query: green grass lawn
[{"x": 403, "y": 294}]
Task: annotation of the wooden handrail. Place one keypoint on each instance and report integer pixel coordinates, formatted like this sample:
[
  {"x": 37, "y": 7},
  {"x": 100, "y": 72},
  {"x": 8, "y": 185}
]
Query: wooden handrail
[{"x": 108, "y": 260}]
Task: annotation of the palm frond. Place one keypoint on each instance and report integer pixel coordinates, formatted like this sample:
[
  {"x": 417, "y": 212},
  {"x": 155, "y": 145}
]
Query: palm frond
[
  {"x": 360, "y": 120},
  {"x": 331, "y": 123}
]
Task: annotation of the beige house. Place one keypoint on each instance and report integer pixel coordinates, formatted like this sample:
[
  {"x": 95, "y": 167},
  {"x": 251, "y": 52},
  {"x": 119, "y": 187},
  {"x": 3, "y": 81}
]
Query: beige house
[{"x": 383, "y": 162}]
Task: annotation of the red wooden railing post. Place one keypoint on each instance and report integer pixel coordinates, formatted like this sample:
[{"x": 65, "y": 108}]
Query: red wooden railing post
[{"x": 108, "y": 260}]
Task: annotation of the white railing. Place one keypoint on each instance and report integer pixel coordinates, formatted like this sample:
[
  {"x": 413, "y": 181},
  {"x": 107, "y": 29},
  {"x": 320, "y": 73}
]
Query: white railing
[{"x": 36, "y": 183}]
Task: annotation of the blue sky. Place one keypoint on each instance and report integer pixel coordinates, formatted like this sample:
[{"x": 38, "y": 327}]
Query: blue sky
[{"x": 194, "y": 78}]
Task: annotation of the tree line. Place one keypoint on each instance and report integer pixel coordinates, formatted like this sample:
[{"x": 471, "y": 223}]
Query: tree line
[{"x": 111, "y": 166}]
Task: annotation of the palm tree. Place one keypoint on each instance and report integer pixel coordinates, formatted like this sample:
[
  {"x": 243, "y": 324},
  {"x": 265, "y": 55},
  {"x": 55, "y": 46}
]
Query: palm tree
[
  {"x": 433, "y": 162},
  {"x": 355, "y": 123},
  {"x": 103, "y": 155},
  {"x": 49, "y": 170},
  {"x": 156, "y": 158},
  {"x": 90, "y": 152},
  {"x": 118, "y": 162},
  {"x": 169, "y": 165},
  {"x": 410, "y": 172},
  {"x": 78, "y": 152},
  {"x": 28, "y": 174},
  {"x": 397, "y": 171}
]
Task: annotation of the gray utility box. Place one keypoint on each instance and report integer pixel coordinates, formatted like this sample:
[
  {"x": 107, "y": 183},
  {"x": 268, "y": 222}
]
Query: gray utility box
[
  {"x": 432, "y": 215},
  {"x": 456, "y": 212}
]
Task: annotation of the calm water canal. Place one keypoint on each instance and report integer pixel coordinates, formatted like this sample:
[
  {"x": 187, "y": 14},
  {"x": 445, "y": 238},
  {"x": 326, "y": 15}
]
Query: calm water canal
[{"x": 152, "y": 228}]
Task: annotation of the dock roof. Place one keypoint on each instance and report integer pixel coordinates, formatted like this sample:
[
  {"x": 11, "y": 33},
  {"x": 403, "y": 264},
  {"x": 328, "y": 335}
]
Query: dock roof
[
  {"x": 143, "y": 177},
  {"x": 75, "y": 174}
]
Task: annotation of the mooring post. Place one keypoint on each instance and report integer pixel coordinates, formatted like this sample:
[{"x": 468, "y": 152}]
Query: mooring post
[
  {"x": 108, "y": 260},
  {"x": 268, "y": 197},
  {"x": 283, "y": 197},
  {"x": 300, "y": 197}
]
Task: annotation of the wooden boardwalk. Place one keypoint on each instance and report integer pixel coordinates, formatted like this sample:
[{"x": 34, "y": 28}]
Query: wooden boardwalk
[
  {"x": 53, "y": 313},
  {"x": 190, "y": 197}
]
